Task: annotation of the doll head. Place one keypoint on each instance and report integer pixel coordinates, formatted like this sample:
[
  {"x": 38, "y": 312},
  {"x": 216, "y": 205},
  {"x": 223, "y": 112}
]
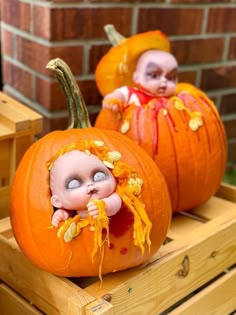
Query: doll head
[
  {"x": 156, "y": 73},
  {"x": 76, "y": 177}
]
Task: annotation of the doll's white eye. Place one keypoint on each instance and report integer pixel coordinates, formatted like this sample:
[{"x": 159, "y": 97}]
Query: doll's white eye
[
  {"x": 99, "y": 176},
  {"x": 74, "y": 183}
]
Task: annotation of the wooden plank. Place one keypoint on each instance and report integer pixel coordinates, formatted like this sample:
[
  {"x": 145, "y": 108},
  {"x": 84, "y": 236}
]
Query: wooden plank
[
  {"x": 227, "y": 192},
  {"x": 214, "y": 207},
  {"x": 17, "y": 116},
  {"x": 219, "y": 298},
  {"x": 12, "y": 303},
  {"x": 177, "y": 224},
  {"x": 182, "y": 270},
  {"x": 4, "y": 205},
  {"x": 5, "y": 225},
  {"x": 5, "y": 132},
  {"x": 53, "y": 295},
  {"x": 5, "y": 151},
  {"x": 99, "y": 307}
]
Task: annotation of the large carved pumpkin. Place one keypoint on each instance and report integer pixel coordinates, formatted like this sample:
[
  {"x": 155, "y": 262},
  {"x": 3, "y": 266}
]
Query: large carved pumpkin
[
  {"x": 31, "y": 210},
  {"x": 183, "y": 134}
]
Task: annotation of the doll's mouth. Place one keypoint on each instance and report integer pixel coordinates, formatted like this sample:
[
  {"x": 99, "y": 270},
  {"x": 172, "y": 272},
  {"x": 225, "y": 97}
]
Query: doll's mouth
[{"x": 161, "y": 90}]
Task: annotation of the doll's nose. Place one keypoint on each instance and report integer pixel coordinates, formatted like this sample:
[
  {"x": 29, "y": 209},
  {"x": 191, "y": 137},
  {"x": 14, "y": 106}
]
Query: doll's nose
[
  {"x": 163, "y": 81},
  {"x": 90, "y": 187}
]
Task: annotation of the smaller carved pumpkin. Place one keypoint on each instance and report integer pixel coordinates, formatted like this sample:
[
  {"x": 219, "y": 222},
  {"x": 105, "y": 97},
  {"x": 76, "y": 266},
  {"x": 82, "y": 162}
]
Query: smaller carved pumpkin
[{"x": 89, "y": 247}]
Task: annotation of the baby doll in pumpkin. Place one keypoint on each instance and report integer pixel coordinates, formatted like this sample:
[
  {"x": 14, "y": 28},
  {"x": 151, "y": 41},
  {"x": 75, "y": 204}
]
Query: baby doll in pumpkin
[
  {"x": 77, "y": 178},
  {"x": 89, "y": 185},
  {"x": 155, "y": 76},
  {"x": 136, "y": 76}
]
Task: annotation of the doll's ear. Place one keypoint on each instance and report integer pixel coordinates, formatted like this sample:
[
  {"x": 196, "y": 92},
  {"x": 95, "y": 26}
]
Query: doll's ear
[
  {"x": 55, "y": 201},
  {"x": 135, "y": 77}
]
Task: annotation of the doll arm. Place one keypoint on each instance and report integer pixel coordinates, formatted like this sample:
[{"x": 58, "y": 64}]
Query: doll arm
[
  {"x": 114, "y": 101},
  {"x": 113, "y": 205},
  {"x": 58, "y": 216}
]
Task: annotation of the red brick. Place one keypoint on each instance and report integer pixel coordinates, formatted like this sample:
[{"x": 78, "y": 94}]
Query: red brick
[
  {"x": 18, "y": 78},
  {"x": 199, "y": 1},
  {"x": 36, "y": 55},
  {"x": 33, "y": 54},
  {"x": 171, "y": 20},
  {"x": 80, "y": 23},
  {"x": 93, "y": 115},
  {"x": 232, "y": 48},
  {"x": 54, "y": 123},
  {"x": 218, "y": 78},
  {"x": 95, "y": 55},
  {"x": 198, "y": 50},
  {"x": 126, "y": 1},
  {"x": 187, "y": 76},
  {"x": 7, "y": 43},
  {"x": 16, "y": 13},
  {"x": 228, "y": 104},
  {"x": 59, "y": 123},
  {"x": 232, "y": 152},
  {"x": 66, "y": 1},
  {"x": 49, "y": 95},
  {"x": 221, "y": 20},
  {"x": 90, "y": 92},
  {"x": 41, "y": 22},
  {"x": 230, "y": 128}
]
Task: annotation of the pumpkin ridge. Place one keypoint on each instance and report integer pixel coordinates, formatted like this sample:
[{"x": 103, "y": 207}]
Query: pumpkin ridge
[
  {"x": 219, "y": 127},
  {"x": 34, "y": 148},
  {"x": 171, "y": 121},
  {"x": 148, "y": 181}
]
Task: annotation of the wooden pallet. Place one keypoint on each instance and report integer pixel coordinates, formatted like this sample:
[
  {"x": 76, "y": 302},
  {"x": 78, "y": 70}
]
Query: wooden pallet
[
  {"x": 18, "y": 126},
  {"x": 193, "y": 273}
]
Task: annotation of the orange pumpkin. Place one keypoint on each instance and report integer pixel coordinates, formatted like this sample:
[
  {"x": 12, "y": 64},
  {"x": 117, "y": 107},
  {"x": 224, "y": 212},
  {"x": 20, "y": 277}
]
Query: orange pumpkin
[
  {"x": 31, "y": 210},
  {"x": 183, "y": 134},
  {"x": 192, "y": 161}
]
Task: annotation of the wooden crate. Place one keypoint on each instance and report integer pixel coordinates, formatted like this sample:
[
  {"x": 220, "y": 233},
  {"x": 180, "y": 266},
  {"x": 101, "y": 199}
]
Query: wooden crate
[
  {"x": 18, "y": 126},
  {"x": 193, "y": 273}
]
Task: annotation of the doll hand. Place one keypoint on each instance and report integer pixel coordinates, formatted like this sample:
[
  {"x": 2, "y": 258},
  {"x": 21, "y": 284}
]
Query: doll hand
[
  {"x": 92, "y": 209},
  {"x": 114, "y": 104},
  {"x": 59, "y": 216}
]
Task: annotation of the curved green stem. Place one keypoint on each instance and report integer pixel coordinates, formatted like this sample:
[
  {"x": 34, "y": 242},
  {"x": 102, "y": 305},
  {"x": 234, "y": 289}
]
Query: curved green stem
[
  {"x": 114, "y": 37},
  {"x": 78, "y": 113}
]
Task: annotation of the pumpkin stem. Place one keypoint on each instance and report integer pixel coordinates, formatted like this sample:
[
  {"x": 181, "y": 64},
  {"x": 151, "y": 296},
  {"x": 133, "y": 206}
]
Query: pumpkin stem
[
  {"x": 114, "y": 37},
  {"x": 78, "y": 113}
]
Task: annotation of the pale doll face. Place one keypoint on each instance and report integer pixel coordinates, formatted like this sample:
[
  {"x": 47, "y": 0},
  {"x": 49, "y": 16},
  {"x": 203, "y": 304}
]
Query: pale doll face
[
  {"x": 77, "y": 177},
  {"x": 156, "y": 72}
]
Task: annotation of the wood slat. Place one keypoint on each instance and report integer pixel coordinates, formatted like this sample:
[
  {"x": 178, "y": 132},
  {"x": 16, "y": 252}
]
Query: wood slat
[
  {"x": 219, "y": 298},
  {"x": 160, "y": 284},
  {"x": 5, "y": 225},
  {"x": 4, "y": 197},
  {"x": 12, "y": 304},
  {"x": 227, "y": 192},
  {"x": 53, "y": 295},
  {"x": 17, "y": 116}
]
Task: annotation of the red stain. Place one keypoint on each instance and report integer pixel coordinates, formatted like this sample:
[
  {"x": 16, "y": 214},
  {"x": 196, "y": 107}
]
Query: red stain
[
  {"x": 124, "y": 251},
  {"x": 111, "y": 246},
  {"x": 121, "y": 222}
]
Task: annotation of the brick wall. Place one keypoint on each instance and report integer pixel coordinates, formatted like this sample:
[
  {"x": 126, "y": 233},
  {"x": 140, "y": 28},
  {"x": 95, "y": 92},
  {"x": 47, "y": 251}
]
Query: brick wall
[{"x": 202, "y": 34}]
